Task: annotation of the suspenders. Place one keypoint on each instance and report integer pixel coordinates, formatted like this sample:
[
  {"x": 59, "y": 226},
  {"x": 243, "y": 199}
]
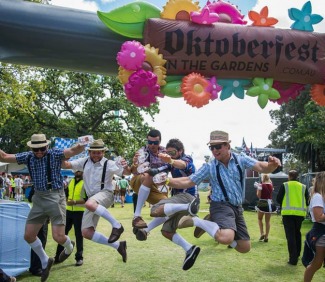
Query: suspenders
[
  {"x": 103, "y": 175},
  {"x": 220, "y": 180}
]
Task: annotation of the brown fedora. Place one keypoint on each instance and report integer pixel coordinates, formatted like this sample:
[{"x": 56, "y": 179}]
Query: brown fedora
[
  {"x": 218, "y": 136},
  {"x": 97, "y": 145},
  {"x": 38, "y": 141}
]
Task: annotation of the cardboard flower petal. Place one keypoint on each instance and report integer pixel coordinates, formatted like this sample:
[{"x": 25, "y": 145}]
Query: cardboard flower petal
[
  {"x": 205, "y": 17},
  {"x": 262, "y": 18},
  {"x": 142, "y": 88},
  {"x": 172, "y": 89},
  {"x": 123, "y": 75},
  {"x": 317, "y": 93},
  {"x": 292, "y": 91},
  {"x": 179, "y": 9},
  {"x": 131, "y": 56},
  {"x": 263, "y": 89},
  {"x": 213, "y": 88},
  {"x": 303, "y": 18},
  {"x": 233, "y": 86}
]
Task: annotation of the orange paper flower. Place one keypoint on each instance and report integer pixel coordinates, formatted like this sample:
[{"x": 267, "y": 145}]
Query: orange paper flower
[
  {"x": 262, "y": 19},
  {"x": 317, "y": 93}
]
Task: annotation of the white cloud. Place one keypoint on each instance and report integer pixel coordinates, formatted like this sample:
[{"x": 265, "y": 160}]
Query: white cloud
[{"x": 77, "y": 4}]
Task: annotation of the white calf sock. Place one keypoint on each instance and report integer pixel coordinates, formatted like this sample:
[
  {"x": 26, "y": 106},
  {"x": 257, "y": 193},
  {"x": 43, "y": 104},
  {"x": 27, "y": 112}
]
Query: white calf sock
[
  {"x": 68, "y": 246},
  {"x": 142, "y": 197},
  {"x": 102, "y": 239},
  {"x": 180, "y": 241},
  {"x": 38, "y": 249},
  {"x": 104, "y": 213},
  {"x": 155, "y": 222},
  {"x": 170, "y": 209},
  {"x": 208, "y": 226}
]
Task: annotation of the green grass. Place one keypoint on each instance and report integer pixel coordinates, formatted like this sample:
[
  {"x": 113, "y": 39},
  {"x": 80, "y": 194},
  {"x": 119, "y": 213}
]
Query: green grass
[{"x": 159, "y": 259}]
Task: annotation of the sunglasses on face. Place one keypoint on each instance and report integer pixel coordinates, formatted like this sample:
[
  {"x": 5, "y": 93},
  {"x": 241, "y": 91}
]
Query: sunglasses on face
[
  {"x": 217, "y": 146},
  {"x": 153, "y": 142},
  {"x": 42, "y": 149},
  {"x": 172, "y": 153}
]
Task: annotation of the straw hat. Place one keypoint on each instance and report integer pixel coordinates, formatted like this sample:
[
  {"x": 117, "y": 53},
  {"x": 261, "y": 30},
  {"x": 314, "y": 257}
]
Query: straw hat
[
  {"x": 97, "y": 145},
  {"x": 38, "y": 141},
  {"x": 218, "y": 136}
]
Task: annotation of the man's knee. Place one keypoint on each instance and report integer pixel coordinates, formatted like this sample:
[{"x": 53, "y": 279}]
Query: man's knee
[
  {"x": 87, "y": 233},
  {"x": 243, "y": 246},
  {"x": 168, "y": 235},
  {"x": 91, "y": 205},
  {"x": 225, "y": 236}
]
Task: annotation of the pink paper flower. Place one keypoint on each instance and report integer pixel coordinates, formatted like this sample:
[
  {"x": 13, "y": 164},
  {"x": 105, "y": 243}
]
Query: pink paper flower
[
  {"x": 292, "y": 92},
  {"x": 213, "y": 88},
  {"x": 131, "y": 56},
  {"x": 205, "y": 17},
  {"x": 142, "y": 88}
]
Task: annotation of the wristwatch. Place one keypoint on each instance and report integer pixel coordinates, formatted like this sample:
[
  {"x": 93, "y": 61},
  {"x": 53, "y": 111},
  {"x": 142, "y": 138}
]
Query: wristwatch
[{"x": 75, "y": 202}]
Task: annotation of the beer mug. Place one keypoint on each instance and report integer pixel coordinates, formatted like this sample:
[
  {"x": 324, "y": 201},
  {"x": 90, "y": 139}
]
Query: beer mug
[
  {"x": 143, "y": 155},
  {"x": 118, "y": 161},
  {"x": 160, "y": 178},
  {"x": 143, "y": 167},
  {"x": 85, "y": 140}
]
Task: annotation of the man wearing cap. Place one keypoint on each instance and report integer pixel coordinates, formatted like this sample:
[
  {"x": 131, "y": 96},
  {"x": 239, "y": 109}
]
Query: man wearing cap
[
  {"x": 75, "y": 211},
  {"x": 44, "y": 166},
  {"x": 226, "y": 175},
  {"x": 98, "y": 173}
]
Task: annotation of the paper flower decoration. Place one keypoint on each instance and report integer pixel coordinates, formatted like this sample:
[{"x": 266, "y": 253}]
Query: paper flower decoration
[
  {"x": 205, "y": 17},
  {"x": 142, "y": 88},
  {"x": 231, "y": 86},
  {"x": 303, "y": 18},
  {"x": 193, "y": 89},
  {"x": 213, "y": 88},
  {"x": 131, "y": 56},
  {"x": 286, "y": 93},
  {"x": 263, "y": 89},
  {"x": 317, "y": 93},
  {"x": 262, "y": 18}
]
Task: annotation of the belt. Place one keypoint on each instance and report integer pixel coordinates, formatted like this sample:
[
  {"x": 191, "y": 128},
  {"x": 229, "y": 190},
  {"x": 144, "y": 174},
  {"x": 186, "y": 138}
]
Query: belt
[{"x": 49, "y": 191}]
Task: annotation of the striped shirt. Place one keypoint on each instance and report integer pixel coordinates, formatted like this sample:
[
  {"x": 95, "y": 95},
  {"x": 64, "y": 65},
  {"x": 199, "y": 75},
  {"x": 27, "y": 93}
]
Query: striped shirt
[
  {"x": 230, "y": 178},
  {"x": 38, "y": 168}
]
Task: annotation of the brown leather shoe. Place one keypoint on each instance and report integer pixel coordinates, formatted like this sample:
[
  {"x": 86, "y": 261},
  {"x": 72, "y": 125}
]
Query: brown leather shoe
[
  {"x": 139, "y": 223},
  {"x": 115, "y": 235},
  {"x": 46, "y": 271},
  {"x": 198, "y": 232},
  {"x": 122, "y": 250},
  {"x": 141, "y": 234},
  {"x": 63, "y": 256}
]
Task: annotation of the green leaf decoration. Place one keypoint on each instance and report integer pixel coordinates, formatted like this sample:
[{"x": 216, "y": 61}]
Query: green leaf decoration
[
  {"x": 263, "y": 89},
  {"x": 172, "y": 89},
  {"x": 129, "y": 19}
]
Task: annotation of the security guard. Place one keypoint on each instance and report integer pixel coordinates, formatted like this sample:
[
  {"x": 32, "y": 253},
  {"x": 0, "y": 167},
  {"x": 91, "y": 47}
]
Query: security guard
[
  {"x": 75, "y": 210},
  {"x": 293, "y": 197}
]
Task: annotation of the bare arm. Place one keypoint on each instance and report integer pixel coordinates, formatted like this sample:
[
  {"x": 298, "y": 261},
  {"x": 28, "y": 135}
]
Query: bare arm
[
  {"x": 66, "y": 165},
  {"x": 7, "y": 158},
  {"x": 267, "y": 167},
  {"x": 258, "y": 193},
  {"x": 70, "y": 152},
  {"x": 319, "y": 214},
  {"x": 181, "y": 182},
  {"x": 175, "y": 163}
]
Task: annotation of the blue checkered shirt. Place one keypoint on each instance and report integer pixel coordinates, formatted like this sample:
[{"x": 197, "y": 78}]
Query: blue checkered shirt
[
  {"x": 38, "y": 168},
  {"x": 230, "y": 178}
]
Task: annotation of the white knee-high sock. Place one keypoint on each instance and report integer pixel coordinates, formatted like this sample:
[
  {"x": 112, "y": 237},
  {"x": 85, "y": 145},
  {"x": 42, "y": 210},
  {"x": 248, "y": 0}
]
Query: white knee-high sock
[
  {"x": 142, "y": 197},
  {"x": 155, "y": 222},
  {"x": 170, "y": 209},
  {"x": 179, "y": 240},
  {"x": 102, "y": 239},
  {"x": 38, "y": 249},
  {"x": 104, "y": 213},
  {"x": 208, "y": 226},
  {"x": 68, "y": 246},
  {"x": 233, "y": 244}
]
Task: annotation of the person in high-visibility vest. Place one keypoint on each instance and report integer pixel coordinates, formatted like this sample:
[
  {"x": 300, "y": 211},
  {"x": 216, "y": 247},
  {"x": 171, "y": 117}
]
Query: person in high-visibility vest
[
  {"x": 293, "y": 198},
  {"x": 75, "y": 211}
]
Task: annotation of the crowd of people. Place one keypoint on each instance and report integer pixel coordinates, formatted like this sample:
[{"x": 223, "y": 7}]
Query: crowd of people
[
  {"x": 13, "y": 186},
  {"x": 87, "y": 197}
]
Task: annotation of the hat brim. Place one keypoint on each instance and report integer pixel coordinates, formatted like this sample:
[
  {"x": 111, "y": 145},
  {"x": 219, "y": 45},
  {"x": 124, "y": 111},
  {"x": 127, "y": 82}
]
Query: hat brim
[
  {"x": 29, "y": 144},
  {"x": 219, "y": 142},
  {"x": 97, "y": 149}
]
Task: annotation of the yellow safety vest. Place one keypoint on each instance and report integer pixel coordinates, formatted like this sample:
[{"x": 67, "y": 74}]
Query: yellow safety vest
[
  {"x": 294, "y": 201},
  {"x": 12, "y": 183},
  {"x": 75, "y": 195}
]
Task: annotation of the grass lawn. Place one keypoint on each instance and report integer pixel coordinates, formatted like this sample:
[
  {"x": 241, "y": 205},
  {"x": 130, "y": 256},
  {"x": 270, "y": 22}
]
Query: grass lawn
[{"x": 159, "y": 259}]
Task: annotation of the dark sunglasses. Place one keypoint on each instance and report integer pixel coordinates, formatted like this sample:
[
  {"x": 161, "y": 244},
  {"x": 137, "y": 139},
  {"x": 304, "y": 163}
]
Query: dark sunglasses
[
  {"x": 153, "y": 142},
  {"x": 217, "y": 146},
  {"x": 42, "y": 149},
  {"x": 172, "y": 153}
]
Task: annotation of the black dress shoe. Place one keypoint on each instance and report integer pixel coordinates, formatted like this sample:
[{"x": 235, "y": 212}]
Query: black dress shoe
[
  {"x": 122, "y": 250},
  {"x": 115, "y": 235},
  {"x": 291, "y": 263}
]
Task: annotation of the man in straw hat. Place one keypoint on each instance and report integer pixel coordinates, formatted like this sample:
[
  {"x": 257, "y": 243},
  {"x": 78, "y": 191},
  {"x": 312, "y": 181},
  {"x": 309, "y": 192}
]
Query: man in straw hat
[
  {"x": 226, "y": 173},
  {"x": 44, "y": 166},
  {"x": 98, "y": 173}
]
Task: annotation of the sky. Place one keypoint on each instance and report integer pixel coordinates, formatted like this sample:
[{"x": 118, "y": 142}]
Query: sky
[{"x": 240, "y": 118}]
